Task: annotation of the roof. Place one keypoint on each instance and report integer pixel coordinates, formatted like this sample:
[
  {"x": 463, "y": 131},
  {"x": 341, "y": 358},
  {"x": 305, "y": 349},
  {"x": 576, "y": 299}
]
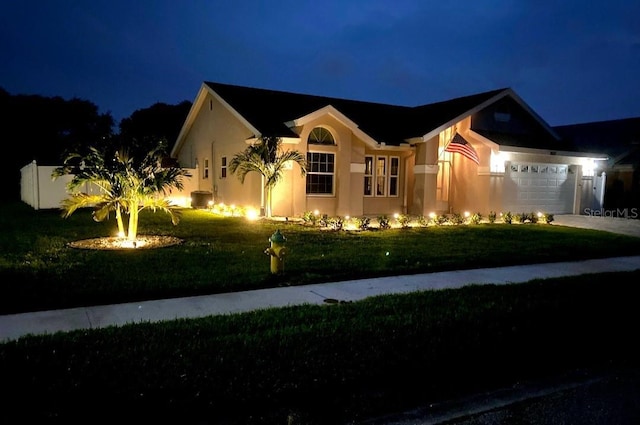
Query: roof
[
  {"x": 619, "y": 139},
  {"x": 539, "y": 141},
  {"x": 269, "y": 110},
  {"x": 274, "y": 113}
]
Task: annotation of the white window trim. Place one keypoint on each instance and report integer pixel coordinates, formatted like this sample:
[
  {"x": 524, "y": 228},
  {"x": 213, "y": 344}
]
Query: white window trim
[
  {"x": 377, "y": 176},
  {"x": 387, "y": 176},
  {"x": 333, "y": 180},
  {"x": 205, "y": 169},
  {"x": 224, "y": 172},
  {"x": 397, "y": 177},
  {"x": 371, "y": 176}
]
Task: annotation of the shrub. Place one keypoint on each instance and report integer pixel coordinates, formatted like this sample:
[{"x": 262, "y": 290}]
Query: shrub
[
  {"x": 336, "y": 223},
  {"x": 492, "y": 217},
  {"x": 403, "y": 220},
  {"x": 456, "y": 219},
  {"x": 533, "y": 218},
  {"x": 383, "y": 222},
  {"x": 476, "y": 218},
  {"x": 548, "y": 218},
  {"x": 440, "y": 219},
  {"x": 308, "y": 217},
  {"x": 324, "y": 220},
  {"x": 507, "y": 217},
  {"x": 423, "y": 221},
  {"x": 362, "y": 223}
]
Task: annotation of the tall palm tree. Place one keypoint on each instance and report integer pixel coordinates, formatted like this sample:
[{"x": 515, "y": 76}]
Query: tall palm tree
[
  {"x": 126, "y": 184},
  {"x": 267, "y": 158}
]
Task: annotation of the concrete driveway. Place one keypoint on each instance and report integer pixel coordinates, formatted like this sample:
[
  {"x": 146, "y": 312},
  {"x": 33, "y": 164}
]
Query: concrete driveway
[{"x": 627, "y": 226}]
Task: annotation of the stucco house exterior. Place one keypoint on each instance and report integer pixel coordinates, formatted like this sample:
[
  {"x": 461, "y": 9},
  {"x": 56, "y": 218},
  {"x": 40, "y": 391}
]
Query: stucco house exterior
[{"x": 367, "y": 158}]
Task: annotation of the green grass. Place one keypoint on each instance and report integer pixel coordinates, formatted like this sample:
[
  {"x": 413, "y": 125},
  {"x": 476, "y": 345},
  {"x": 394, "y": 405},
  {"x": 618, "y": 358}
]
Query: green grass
[
  {"x": 39, "y": 271},
  {"x": 324, "y": 364},
  {"x": 335, "y": 363}
]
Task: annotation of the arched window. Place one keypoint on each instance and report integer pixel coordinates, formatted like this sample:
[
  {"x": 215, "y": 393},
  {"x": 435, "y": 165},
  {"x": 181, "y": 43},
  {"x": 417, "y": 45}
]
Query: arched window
[{"x": 321, "y": 136}]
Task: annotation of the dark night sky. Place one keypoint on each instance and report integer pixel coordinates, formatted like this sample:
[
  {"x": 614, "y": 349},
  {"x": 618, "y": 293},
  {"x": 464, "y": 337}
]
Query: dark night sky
[{"x": 571, "y": 61}]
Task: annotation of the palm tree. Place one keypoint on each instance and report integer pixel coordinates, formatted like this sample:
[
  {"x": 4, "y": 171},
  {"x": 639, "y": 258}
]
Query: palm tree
[
  {"x": 126, "y": 184},
  {"x": 267, "y": 158}
]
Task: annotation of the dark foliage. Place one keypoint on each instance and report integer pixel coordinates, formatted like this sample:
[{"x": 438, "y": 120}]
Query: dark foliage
[{"x": 159, "y": 121}]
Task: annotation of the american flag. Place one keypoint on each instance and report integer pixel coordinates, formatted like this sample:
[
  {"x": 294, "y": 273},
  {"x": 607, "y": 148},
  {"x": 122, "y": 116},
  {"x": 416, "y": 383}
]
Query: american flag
[{"x": 459, "y": 145}]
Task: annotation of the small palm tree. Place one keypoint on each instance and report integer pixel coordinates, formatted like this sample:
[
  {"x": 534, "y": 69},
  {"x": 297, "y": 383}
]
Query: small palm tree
[
  {"x": 127, "y": 185},
  {"x": 267, "y": 158}
]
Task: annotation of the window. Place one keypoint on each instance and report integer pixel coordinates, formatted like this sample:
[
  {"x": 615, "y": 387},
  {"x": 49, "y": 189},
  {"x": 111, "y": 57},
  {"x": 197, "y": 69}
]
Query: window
[
  {"x": 205, "y": 170},
  {"x": 320, "y": 172},
  {"x": 394, "y": 174},
  {"x": 368, "y": 176},
  {"x": 223, "y": 168},
  {"x": 320, "y": 136},
  {"x": 381, "y": 175},
  {"x": 385, "y": 174}
]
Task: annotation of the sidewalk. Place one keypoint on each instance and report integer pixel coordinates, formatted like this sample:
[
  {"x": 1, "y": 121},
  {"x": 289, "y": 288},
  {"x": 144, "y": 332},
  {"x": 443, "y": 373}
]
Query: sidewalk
[{"x": 14, "y": 326}]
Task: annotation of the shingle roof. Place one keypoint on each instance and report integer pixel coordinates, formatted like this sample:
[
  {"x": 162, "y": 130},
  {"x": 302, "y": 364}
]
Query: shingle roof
[
  {"x": 613, "y": 137},
  {"x": 538, "y": 140},
  {"x": 268, "y": 110}
]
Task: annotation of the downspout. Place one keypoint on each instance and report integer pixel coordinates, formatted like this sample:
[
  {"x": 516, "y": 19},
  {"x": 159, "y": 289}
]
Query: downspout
[{"x": 405, "y": 196}]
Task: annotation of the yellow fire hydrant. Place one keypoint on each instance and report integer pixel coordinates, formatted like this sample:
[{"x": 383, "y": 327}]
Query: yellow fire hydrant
[{"x": 277, "y": 251}]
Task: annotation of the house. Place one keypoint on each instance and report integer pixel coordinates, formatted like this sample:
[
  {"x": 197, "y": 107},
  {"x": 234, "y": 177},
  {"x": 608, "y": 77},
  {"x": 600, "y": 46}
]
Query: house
[
  {"x": 484, "y": 152},
  {"x": 620, "y": 141}
]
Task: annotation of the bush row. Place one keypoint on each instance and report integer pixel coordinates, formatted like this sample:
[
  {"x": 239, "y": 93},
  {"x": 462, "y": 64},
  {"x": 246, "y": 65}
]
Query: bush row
[{"x": 404, "y": 220}]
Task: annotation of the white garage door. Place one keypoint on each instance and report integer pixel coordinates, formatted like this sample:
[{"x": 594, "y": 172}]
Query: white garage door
[{"x": 533, "y": 187}]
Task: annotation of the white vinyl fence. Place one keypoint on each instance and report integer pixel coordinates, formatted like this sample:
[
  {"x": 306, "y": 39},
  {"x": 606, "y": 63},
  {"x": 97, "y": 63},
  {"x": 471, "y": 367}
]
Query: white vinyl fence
[{"x": 39, "y": 190}]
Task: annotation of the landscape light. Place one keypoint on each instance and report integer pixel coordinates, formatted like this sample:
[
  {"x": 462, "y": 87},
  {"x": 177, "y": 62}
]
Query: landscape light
[{"x": 251, "y": 214}]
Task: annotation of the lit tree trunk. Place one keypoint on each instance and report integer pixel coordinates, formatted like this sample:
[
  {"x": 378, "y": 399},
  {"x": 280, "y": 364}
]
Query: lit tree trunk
[
  {"x": 133, "y": 220},
  {"x": 268, "y": 214},
  {"x": 119, "y": 221}
]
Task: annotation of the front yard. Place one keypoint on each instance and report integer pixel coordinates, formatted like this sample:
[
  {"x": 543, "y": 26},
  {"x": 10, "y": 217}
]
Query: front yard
[
  {"x": 41, "y": 271},
  {"x": 305, "y": 365}
]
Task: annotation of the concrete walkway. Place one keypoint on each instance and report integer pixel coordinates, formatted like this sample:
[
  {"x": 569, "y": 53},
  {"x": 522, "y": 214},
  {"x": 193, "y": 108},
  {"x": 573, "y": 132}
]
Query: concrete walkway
[{"x": 13, "y": 326}]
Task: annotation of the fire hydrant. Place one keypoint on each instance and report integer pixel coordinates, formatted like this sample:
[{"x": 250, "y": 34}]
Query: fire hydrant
[{"x": 277, "y": 251}]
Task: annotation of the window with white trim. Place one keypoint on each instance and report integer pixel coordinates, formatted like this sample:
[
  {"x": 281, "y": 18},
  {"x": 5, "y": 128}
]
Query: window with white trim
[
  {"x": 368, "y": 176},
  {"x": 394, "y": 175},
  {"x": 320, "y": 173},
  {"x": 320, "y": 136},
  {"x": 383, "y": 174},
  {"x": 223, "y": 167},
  {"x": 205, "y": 169}
]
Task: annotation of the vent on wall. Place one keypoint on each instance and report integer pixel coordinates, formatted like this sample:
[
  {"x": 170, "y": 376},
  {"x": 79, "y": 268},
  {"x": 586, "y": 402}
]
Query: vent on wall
[{"x": 502, "y": 116}]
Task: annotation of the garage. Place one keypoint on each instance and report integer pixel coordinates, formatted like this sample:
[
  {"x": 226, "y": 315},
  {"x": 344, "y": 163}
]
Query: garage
[{"x": 533, "y": 187}]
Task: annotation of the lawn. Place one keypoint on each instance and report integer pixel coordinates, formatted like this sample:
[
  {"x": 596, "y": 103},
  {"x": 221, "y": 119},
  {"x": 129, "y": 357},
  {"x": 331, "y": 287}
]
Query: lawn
[
  {"x": 40, "y": 271},
  {"x": 330, "y": 364}
]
